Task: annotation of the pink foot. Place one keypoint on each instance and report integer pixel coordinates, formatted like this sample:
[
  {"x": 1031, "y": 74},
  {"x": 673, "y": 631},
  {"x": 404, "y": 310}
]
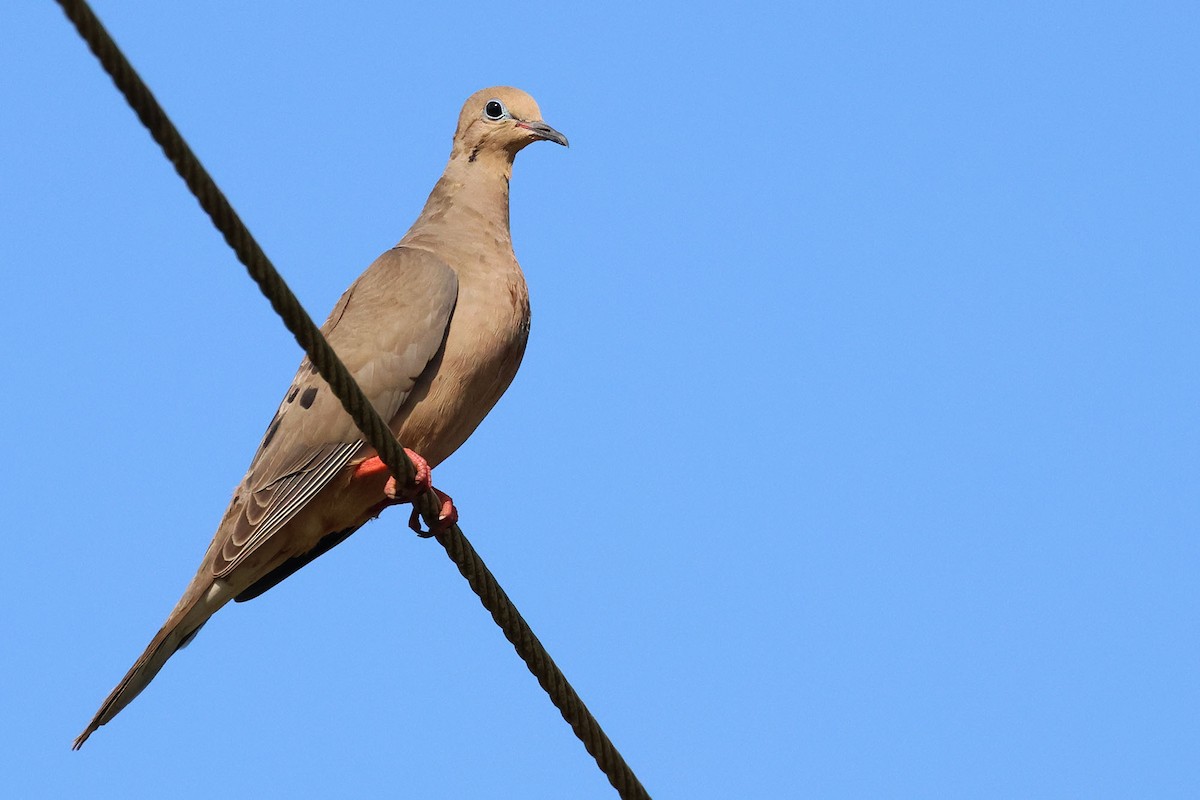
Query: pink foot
[
  {"x": 374, "y": 466},
  {"x": 447, "y": 516},
  {"x": 396, "y": 495}
]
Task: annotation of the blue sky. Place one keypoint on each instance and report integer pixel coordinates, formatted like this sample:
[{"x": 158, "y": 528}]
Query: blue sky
[{"x": 855, "y": 452}]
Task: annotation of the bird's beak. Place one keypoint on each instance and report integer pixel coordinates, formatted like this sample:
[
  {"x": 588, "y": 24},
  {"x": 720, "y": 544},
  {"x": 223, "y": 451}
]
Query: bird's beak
[{"x": 543, "y": 131}]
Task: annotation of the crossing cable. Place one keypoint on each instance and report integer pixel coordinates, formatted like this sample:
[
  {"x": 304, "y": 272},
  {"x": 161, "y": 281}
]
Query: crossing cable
[{"x": 330, "y": 367}]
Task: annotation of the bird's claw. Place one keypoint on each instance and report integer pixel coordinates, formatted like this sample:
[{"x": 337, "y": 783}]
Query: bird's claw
[
  {"x": 397, "y": 494},
  {"x": 447, "y": 516}
]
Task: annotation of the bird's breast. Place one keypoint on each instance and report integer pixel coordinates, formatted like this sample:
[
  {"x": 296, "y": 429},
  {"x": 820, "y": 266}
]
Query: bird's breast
[{"x": 483, "y": 349}]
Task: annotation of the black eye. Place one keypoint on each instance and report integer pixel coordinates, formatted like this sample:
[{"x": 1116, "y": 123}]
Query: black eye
[{"x": 494, "y": 110}]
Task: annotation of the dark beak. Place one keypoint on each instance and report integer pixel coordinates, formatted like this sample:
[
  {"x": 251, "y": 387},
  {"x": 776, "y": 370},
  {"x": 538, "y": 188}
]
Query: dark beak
[{"x": 543, "y": 131}]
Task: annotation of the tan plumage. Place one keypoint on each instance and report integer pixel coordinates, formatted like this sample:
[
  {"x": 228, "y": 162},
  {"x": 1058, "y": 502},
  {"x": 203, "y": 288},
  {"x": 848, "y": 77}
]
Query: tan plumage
[{"x": 433, "y": 332}]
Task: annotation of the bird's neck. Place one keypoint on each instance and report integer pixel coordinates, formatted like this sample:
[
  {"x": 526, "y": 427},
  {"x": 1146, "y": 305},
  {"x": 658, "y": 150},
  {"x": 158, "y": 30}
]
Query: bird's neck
[{"x": 469, "y": 202}]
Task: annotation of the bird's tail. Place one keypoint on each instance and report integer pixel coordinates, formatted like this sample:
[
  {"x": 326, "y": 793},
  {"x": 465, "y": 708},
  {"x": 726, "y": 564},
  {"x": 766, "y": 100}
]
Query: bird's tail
[{"x": 185, "y": 621}]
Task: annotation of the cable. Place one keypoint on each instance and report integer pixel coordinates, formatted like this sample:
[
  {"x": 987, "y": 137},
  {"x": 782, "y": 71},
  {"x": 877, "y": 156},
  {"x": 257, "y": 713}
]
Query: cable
[{"x": 330, "y": 367}]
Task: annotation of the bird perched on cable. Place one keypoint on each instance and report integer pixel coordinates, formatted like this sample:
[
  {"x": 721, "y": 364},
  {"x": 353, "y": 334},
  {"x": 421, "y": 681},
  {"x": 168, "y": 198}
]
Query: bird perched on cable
[{"x": 433, "y": 332}]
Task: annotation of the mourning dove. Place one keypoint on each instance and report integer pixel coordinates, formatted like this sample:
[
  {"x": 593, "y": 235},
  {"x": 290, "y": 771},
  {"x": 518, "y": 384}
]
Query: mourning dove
[{"x": 433, "y": 332}]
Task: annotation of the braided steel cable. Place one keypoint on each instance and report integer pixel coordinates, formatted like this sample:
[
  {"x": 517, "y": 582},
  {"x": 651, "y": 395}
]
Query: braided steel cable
[{"x": 331, "y": 368}]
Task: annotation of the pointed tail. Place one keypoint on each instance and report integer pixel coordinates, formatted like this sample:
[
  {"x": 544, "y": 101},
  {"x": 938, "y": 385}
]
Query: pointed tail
[{"x": 185, "y": 621}]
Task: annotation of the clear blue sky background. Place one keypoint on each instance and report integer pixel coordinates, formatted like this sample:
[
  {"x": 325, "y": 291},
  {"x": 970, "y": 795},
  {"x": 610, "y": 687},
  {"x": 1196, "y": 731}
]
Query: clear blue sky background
[{"x": 856, "y": 452}]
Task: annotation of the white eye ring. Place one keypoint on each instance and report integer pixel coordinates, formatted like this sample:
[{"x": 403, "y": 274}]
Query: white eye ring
[{"x": 494, "y": 110}]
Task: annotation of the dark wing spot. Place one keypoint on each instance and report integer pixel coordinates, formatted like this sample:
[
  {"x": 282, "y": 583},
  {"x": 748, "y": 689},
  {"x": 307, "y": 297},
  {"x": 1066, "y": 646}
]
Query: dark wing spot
[
  {"x": 310, "y": 394},
  {"x": 270, "y": 434},
  {"x": 291, "y": 395}
]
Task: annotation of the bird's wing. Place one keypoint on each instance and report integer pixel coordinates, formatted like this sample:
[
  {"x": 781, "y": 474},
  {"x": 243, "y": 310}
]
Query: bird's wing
[{"x": 387, "y": 328}]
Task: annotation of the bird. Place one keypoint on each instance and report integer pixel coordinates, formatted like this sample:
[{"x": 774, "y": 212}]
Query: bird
[{"x": 433, "y": 331}]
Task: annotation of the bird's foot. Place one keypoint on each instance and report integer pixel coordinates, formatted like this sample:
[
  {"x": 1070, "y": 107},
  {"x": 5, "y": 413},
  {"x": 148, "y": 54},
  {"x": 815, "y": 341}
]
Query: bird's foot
[
  {"x": 421, "y": 483},
  {"x": 447, "y": 516},
  {"x": 394, "y": 494}
]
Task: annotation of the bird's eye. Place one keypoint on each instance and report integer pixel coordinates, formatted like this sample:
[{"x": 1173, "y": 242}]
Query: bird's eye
[{"x": 495, "y": 110}]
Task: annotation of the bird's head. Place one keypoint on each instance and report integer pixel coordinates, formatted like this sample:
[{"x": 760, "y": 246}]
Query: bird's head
[{"x": 500, "y": 121}]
